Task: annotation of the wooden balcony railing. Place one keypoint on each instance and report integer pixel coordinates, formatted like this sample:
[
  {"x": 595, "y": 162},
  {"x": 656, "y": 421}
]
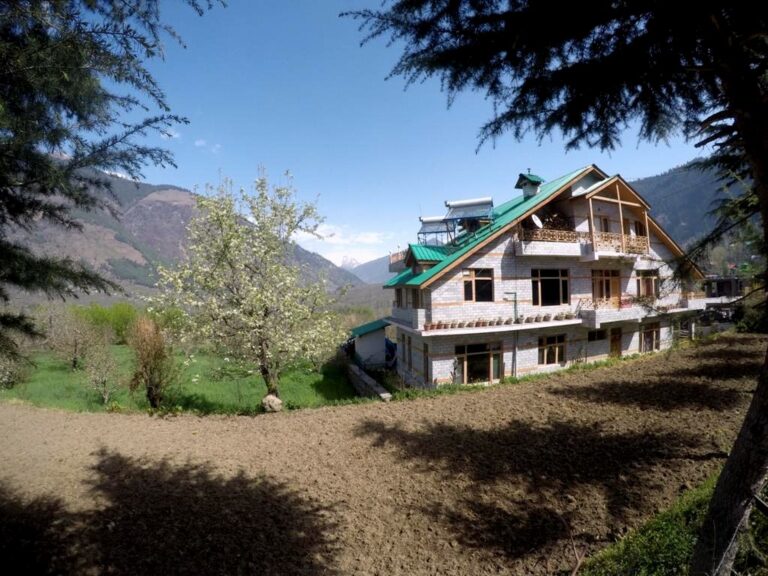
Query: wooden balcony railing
[
  {"x": 612, "y": 241},
  {"x": 550, "y": 235}
]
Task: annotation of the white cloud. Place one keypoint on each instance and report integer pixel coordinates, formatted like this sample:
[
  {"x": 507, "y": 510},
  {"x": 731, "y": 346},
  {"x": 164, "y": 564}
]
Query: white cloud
[
  {"x": 340, "y": 243},
  {"x": 169, "y": 134},
  {"x": 216, "y": 148},
  {"x": 200, "y": 142}
]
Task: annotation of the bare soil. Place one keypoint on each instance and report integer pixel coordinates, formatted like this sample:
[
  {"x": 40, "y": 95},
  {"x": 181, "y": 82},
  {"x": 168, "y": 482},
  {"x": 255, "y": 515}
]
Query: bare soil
[{"x": 495, "y": 482}]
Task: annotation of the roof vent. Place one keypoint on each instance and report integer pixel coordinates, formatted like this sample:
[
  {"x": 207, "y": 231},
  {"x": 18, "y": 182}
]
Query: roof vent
[{"x": 529, "y": 184}]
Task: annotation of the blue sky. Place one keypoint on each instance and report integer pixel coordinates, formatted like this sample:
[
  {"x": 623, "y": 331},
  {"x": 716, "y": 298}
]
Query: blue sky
[{"x": 285, "y": 85}]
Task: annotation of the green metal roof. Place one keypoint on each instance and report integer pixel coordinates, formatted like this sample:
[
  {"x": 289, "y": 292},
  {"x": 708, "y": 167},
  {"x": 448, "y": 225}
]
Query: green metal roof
[
  {"x": 503, "y": 215},
  {"x": 364, "y": 329},
  {"x": 430, "y": 253}
]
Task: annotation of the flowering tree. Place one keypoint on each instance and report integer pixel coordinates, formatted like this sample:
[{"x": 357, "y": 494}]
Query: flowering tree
[{"x": 240, "y": 288}]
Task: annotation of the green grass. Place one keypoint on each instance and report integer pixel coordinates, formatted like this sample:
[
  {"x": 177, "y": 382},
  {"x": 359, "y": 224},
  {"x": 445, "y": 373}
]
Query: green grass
[
  {"x": 661, "y": 547},
  {"x": 207, "y": 385}
]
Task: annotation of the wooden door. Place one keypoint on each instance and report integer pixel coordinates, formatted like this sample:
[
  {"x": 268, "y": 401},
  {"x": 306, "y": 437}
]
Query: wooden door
[{"x": 616, "y": 342}]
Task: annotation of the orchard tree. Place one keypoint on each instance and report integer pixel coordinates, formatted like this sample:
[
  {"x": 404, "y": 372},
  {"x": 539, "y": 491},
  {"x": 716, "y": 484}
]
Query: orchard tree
[
  {"x": 240, "y": 287},
  {"x": 588, "y": 71},
  {"x": 73, "y": 78}
]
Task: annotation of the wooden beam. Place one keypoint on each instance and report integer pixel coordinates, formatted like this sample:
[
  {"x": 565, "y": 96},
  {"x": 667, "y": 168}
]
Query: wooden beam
[
  {"x": 592, "y": 226},
  {"x": 621, "y": 219},
  {"x": 625, "y": 202},
  {"x": 647, "y": 230}
]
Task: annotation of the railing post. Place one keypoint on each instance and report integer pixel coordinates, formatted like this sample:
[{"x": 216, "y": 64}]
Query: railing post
[{"x": 621, "y": 220}]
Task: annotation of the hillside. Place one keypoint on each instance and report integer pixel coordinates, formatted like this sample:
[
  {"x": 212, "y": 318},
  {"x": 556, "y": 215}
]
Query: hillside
[
  {"x": 151, "y": 230},
  {"x": 682, "y": 200}
]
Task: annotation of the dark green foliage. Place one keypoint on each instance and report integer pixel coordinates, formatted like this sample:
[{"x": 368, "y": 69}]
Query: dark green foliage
[
  {"x": 73, "y": 72},
  {"x": 129, "y": 270}
]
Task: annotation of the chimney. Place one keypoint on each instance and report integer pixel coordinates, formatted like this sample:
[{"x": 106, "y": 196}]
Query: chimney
[{"x": 529, "y": 184}]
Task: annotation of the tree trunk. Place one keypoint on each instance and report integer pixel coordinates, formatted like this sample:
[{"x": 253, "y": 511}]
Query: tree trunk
[
  {"x": 271, "y": 380},
  {"x": 745, "y": 470}
]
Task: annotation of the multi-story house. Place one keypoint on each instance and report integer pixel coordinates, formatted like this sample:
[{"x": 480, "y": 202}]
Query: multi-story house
[{"x": 571, "y": 270}]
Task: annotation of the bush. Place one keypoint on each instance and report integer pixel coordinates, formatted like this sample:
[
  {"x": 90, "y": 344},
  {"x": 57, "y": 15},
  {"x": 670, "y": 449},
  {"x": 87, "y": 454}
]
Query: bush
[
  {"x": 69, "y": 335},
  {"x": 118, "y": 318},
  {"x": 101, "y": 371},
  {"x": 156, "y": 368},
  {"x": 12, "y": 371}
]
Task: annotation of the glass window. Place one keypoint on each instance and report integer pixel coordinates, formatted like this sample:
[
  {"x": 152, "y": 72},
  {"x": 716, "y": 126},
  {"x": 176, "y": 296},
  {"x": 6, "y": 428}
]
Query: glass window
[
  {"x": 552, "y": 349},
  {"x": 478, "y": 285},
  {"x": 550, "y": 287},
  {"x": 595, "y": 335},
  {"x": 648, "y": 283},
  {"x": 478, "y": 363},
  {"x": 650, "y": 337}
]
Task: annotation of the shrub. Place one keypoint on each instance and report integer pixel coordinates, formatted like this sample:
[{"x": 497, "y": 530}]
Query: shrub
[
  {"x": 156, "y": 369},
  {"x": 12, "y": 371},
  {"x": 69, "y": 335},
  {"x": 101, "y": 371},
  {"x": 118, "y": 318}
]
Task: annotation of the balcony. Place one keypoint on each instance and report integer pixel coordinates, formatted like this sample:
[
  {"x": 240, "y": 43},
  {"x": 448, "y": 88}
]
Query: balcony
[
  {"x": 595, "y": 312},
  {"x": 413, "y": 318},
  {"x": 613, "y": 245},
  {"x": 551, "y": 242}
]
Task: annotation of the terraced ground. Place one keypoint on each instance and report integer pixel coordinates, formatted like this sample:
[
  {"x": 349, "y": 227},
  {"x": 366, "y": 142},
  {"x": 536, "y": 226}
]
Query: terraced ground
[{"x": 503, "y": 481}]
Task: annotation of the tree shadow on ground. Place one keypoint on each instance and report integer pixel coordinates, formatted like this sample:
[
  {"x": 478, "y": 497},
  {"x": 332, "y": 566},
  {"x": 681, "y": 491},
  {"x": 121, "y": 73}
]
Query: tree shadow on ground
[
  {"x": 551, "y": 463},
  {"x": 159, "y": 518},
  {"x": 665, "y": 395},
  {"x": 734, "y": 369}
]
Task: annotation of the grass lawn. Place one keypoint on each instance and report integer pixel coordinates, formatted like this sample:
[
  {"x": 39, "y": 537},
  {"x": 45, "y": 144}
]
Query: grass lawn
[{"x": 207, "y": 384}]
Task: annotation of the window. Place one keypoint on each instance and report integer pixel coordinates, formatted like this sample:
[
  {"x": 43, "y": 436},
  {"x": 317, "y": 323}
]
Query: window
[
  {"x": 398, "y": 297},
  {"x": 552, "y": 349},
  {"x": 603, "y": 224},
  {"x": 648, "y": 283},
  {"x": 639, "y": 228},
  {"x": 550, "y": 287},
  {"x": 595, "y": 335},
  {"x": 478, "y": 363},
  {"x": 410, "y": 355},
  {"x": 605, "y": 284},
  {"x": 650, "y": 337},
  {"x": 627, "y": 227},
  {"x": 425, "y": 365},
  {"x": 414, "y": 299},
  {"x": 478, "y": 285}
]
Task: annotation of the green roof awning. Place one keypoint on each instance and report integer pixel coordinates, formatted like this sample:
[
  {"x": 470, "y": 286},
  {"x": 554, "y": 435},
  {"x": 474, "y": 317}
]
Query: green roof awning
[
  {"x": 364, "y": 329},
  {"x": 430, "y": 252}
]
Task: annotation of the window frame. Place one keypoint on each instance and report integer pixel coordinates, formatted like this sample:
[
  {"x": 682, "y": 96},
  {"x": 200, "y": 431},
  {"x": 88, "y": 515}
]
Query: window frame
[
  {"x": 642, "y": 278},
  {"x": 470, "y": 278},
  {"x": 493, "y": 350},
  {"x": 653, "y": 330},
  {"x": 563, "y": 280},
  {"x": 597, "y": 335},
  {"x": 553, "y": 349}
]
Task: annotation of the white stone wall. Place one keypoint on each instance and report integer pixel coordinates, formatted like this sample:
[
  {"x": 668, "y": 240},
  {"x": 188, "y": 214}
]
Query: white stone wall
[{"x": 520, "y": 350}]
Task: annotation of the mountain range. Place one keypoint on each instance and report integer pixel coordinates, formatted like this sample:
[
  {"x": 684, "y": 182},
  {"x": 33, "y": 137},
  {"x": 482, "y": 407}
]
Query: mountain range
[{"x": 150, "y": 230}]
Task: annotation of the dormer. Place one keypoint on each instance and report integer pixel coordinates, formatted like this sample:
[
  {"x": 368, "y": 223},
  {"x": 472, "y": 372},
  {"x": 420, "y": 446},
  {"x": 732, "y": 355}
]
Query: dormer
[{"x": 529, "y": 184}]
